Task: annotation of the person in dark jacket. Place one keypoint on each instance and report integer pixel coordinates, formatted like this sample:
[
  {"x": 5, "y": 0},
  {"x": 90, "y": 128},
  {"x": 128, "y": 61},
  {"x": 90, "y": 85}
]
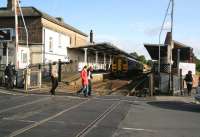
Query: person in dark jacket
[
  {"x": 9, "y": 76},
  {"x": 54, "y": 78},
  {"x": 188, "y": 79},
  {"x": 89, "y": 73}
]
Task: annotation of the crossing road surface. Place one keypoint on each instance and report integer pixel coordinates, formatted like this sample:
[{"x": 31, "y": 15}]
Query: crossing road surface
[{"x": 24, "y": 115}]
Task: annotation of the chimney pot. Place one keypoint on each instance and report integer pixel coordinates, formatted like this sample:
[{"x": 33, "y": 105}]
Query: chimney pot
[
  {"x": 91, "y": 37},
  {"x": 60, "y": 19},
  {"x": 11, "y": 5}
]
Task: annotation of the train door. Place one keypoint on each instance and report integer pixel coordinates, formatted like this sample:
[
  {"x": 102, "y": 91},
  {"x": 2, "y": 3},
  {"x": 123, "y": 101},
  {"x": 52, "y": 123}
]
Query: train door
[
  {"x": 114, "y": 65},
  {"x": 125, "y": 65},
  {"x": 119, "y": 64}
]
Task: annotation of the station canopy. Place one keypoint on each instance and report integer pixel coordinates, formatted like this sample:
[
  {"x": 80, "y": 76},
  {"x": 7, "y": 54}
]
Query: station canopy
[
  {"x": 153, "y": 50},
  {"x": 105, "y": 47},
  {"x": 185, "y": 51}
]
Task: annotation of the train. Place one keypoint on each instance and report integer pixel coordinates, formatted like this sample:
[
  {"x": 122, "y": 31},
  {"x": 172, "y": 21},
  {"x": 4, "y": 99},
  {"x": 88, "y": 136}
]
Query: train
[{"x": 126, "y": 66}]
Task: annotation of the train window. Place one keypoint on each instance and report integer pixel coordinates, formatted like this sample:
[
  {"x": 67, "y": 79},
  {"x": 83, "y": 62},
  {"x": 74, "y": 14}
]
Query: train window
[{"x": 114, "y": 61}]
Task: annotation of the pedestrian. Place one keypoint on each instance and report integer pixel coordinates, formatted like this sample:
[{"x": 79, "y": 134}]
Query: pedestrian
[
  {"x": 89, "y": 71},
  {"x": 54, "y": 78},
  {"x": 84, "y": 78},
  {"x": 188, "y": 79},
  {"x": 199, "y": 82},
  {"x": 9, "y": 76},
  {"x": 198, "y": 87}
]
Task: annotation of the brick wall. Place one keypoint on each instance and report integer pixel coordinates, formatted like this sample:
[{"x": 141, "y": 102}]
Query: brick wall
[{"x": 33, "y": 25}]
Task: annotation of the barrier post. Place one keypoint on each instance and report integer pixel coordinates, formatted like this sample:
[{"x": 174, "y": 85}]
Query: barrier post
[
  {"x": 59, "y": 70},
  {"x": 151, "y": 84}
]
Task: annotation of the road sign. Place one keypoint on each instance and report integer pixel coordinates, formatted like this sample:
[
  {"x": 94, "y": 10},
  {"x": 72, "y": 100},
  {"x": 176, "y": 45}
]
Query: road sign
[{"x": 5, "y": 35}]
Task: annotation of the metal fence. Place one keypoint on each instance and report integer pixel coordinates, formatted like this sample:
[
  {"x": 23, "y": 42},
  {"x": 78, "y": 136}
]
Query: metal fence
[
  {"x": 2, "y": 76},
  {"x": 32, "y": 79}
]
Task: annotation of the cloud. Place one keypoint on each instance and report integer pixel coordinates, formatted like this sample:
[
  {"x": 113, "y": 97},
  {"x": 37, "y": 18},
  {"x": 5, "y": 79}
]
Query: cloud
[
  {"x": 154, "y": 31},
  {"x": 138, "y": 26},
  {"x": 194, "y": 43}
]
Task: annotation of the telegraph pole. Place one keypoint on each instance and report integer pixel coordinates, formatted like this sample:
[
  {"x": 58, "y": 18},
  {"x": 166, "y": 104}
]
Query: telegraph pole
[
  {"x": 16, "y": 35},
  {"x": 171, "y": 48},
  {"x": 159, "y": 50},
  {"x": 27, "y": 36}
]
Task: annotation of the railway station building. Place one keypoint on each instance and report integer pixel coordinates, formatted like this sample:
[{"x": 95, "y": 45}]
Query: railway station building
[
  {"x": 180, "y": 61},
  {"x": 51, "y": 39}
]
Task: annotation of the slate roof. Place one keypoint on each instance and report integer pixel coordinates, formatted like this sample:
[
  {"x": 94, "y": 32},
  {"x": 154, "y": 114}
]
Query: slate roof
[
  {"x": 105, "y": 47},
  {"x": 34, "y": 12}
]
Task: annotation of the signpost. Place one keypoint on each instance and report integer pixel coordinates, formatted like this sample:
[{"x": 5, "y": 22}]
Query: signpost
[
  {"x": 5, "y": 34},
  {"x": 5, "y": 37}
]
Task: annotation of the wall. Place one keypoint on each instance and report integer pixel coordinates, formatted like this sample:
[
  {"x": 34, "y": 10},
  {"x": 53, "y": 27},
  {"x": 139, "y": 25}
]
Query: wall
[
  {"x": 33, "y": 25},
  {"x": 36, "y": 56},
  {"x": 55, "y": 45},
  {"x": 40, "y": 30},
  {"x": 75, "y": 38},
  {"x": 23, "y": 52}
]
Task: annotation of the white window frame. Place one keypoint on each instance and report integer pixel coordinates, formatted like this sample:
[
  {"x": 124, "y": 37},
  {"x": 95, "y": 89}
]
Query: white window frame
[
  {"x": 23, "y": 57},
  {"x": 50, "y": 44}
]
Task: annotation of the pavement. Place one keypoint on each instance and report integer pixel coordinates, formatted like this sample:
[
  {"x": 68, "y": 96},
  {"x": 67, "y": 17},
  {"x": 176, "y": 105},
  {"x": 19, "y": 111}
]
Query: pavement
[{"x": 31, "y": 115}]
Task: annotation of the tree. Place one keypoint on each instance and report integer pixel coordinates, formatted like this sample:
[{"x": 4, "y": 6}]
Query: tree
[
  {"x": 197, "y": 61},
  {"x": 134, "y": 54},
  {"x": 150, "y": 63},
  {"x": 142, "y": 59}
]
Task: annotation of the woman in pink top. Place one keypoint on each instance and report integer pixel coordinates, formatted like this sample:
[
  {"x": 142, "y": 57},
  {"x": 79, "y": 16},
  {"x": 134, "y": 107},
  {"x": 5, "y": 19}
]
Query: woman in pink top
[{"x": 84, "y": 77}]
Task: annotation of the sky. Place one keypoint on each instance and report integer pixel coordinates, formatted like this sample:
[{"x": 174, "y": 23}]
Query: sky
[{"x": 128, "y": 24}]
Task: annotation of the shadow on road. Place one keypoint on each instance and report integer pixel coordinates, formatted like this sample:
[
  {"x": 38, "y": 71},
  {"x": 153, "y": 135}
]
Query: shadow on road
[{"x": 174, "y": 105}]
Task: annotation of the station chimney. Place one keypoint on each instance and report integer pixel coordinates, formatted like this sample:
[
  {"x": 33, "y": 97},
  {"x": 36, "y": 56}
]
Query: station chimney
[
  {"x": 11, "y": 5},
  {"x": 91, "y": 37}
]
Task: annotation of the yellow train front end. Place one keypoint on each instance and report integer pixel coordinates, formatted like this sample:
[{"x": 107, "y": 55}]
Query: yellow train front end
[{"x": 119, "y": 66}]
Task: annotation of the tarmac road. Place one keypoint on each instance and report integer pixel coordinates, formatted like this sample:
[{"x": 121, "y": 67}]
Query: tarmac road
[{"x": 109, "y": 116}]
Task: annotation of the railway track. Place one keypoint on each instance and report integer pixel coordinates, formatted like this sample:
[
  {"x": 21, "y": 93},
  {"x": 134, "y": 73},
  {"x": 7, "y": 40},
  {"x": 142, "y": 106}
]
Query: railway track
[{"x": 95, "y": 122}]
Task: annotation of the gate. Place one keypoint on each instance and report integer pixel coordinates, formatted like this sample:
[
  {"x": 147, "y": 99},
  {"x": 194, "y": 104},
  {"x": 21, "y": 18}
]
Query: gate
[{"x": 33, "y": 79}]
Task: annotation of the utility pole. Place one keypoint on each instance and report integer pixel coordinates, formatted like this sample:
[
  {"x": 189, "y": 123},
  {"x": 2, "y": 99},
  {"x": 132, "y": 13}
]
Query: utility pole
[
  {"x": 171, "y": 48},
  {"x": 16, "y": 35},
  {"x": 27, "y": 36},
  {"x": 159, "y": 47}
]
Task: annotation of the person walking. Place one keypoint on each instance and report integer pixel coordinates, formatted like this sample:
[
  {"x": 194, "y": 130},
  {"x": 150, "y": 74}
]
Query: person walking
[
  {"x": 84, "y": 78},
  {"x": 89, "y": 71},
  {"x": 54, "y": 78},
  {"x": 188, "y": 79},
  {"x": 198, "y": 87},
  {"x": 9, "y": 76}
]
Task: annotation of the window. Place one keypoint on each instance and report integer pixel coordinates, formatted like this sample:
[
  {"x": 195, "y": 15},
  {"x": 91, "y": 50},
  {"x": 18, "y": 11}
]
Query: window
[
  {"x": 70, "y": 41},
  {"x": 50, "y": 44},
  {"x": 23, "y": 57},
  {"x": 59, "y": 40}
]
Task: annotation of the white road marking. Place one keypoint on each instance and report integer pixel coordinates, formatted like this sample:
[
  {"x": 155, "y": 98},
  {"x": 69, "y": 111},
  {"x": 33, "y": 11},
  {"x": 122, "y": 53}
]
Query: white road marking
[
  {"x": 7, "y": 93},
  {"x": 27, "y": 121},
  {"x": 20, "y": 131},
  {"x": 29, "y": 103},
  {"x": 16, "y": 97},
  {"x": 122, "y": 100},
  {"x": 139, "y": 129}
]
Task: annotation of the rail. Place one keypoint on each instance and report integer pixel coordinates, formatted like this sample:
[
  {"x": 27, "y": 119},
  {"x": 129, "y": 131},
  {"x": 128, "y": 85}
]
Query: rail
[{"x": 138, "y": 82}]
